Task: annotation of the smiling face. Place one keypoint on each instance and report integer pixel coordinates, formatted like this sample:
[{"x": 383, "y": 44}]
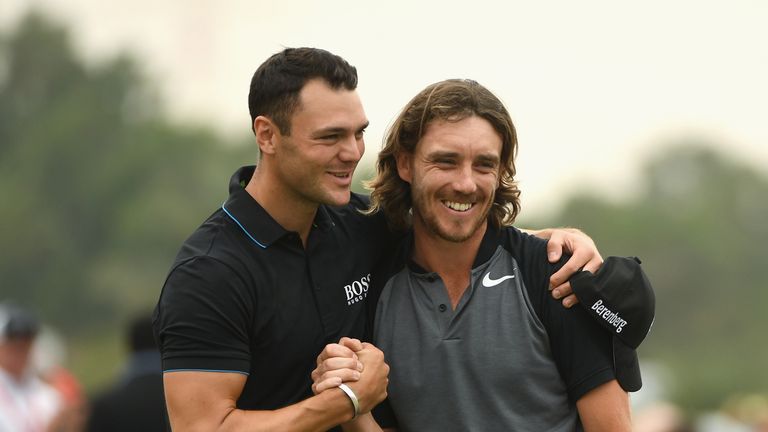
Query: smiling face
[
  {"x": 453, "y": 174},
  {"x": 316, "y": 161}
]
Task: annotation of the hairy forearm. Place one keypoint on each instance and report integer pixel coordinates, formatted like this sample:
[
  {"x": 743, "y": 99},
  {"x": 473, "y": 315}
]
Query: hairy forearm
[{"x": 318, "y": 413}]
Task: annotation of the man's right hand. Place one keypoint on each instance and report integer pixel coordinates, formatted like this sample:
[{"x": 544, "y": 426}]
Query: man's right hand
[
  {"x": 360, "y": 365},
  {"x": 337, "y": 363}
]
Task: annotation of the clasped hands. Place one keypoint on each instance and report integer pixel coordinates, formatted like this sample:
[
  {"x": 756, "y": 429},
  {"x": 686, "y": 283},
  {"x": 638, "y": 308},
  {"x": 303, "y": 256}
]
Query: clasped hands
[{"x": 358, "y": 364}]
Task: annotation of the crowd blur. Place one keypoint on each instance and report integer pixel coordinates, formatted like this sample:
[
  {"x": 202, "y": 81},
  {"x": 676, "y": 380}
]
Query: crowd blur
[
  {"x": 38, "y": 394},
  {"x": 747, "y": 413},
  {"x": 134, "y": 401},
  {"x": 35, "y": 395}
]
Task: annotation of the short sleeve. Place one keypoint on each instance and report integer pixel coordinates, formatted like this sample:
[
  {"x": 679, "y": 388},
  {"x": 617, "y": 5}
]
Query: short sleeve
[
  {"x": 582, "y": 350},
  {"x": 203, "y": 317}
]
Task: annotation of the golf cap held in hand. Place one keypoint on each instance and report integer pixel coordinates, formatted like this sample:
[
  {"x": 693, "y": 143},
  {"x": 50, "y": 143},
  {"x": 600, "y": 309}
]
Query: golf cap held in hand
[{"x": 620, "y": 297}]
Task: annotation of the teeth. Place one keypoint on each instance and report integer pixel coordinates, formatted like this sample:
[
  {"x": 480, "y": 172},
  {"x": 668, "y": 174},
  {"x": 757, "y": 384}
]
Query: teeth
[{"x": 457, "y": 206}]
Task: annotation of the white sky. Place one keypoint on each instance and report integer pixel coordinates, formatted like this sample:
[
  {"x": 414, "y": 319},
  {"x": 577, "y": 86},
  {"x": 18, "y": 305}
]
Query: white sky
[{"x": 594, "y": 86}]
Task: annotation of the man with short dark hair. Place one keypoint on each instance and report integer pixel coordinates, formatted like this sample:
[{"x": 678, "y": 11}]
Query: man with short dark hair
[
  {"x": 258, "y": 290},
  {"x": 283, "y": 267}
]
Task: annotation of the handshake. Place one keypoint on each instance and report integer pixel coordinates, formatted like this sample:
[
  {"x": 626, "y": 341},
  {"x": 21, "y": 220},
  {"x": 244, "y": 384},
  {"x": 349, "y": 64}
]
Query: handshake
[{"x": 355, "y": 366}]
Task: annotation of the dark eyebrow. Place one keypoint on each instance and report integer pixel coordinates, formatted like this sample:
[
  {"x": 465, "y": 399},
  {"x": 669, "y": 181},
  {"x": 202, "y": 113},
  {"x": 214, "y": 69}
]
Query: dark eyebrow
[
  {"x": 488, "y": 158},
  {"x": 442, "y": 154},
  {"x": 329, "y": 130},
  {"x": 338, "y": 130}
]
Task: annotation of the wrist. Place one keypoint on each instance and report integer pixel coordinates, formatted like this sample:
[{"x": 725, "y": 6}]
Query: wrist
[{"x": 352, "y": 398}]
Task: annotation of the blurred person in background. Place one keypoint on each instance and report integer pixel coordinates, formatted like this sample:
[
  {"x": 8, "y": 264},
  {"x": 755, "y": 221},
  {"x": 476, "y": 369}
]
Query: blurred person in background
[
  {"x": 135, "y": 401},
  {"x": 27, "y": 403},
  {"x": 48, "y": 361}
]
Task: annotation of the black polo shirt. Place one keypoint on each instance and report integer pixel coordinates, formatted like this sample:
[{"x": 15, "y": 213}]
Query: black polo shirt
[{"x": 245, "y": 296}]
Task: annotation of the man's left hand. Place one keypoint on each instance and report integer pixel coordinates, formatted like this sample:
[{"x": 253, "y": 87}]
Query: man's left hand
[{"x": 584, "y": 256}]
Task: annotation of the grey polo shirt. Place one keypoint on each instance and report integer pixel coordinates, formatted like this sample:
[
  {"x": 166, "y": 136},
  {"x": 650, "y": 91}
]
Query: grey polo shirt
[{"x": 508, "y": 358}]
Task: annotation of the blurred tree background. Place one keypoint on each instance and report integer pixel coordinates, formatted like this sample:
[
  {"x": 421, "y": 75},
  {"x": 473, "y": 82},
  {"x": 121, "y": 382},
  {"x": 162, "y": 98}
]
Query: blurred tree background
[
  {"x": 699, "y": 226},
  {"x": 99, "y": 189}
]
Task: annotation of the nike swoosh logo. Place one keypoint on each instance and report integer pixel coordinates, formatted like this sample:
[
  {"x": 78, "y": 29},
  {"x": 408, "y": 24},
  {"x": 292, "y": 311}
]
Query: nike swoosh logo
[{"x": 488, "y": 282}]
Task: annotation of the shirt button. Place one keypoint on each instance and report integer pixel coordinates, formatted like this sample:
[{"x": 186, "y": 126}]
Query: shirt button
[
  {"x": 442, "y": 308},
  {"x": 430, "y": 279}
]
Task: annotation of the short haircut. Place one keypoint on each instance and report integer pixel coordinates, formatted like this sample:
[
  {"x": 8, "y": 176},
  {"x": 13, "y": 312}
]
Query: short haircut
[
  {"x": 276, "y": 84},
  {"x": 450, "y": 100}
]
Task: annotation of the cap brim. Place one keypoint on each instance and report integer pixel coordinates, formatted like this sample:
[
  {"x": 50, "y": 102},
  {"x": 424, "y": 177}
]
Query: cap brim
[{"x": 626, "y": 366}]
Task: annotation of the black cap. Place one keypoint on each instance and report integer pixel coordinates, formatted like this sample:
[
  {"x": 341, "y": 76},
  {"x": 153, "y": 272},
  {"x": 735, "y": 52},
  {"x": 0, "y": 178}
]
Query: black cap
[
  {"x": 17, "y": 323},
  {"x": 620, "y": 297}
]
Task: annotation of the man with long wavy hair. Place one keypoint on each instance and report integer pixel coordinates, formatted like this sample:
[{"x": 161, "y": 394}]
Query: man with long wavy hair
[{"x": 462, "y": 311}]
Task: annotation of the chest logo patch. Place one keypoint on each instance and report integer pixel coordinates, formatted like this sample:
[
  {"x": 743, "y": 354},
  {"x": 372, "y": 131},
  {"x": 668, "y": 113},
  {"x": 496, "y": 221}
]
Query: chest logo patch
[
  {"x": 488, "y": 282},
  {"x": 357, "y": 290}
]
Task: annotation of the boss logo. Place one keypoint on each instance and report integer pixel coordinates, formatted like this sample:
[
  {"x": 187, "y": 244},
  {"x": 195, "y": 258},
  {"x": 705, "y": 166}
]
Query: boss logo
[{"x": 357, "y": 290}]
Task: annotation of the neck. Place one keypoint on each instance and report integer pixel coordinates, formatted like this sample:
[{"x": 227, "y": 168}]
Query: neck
[
  {"x": 292, "y": 212},
  {"x": 451, "y": 260}
]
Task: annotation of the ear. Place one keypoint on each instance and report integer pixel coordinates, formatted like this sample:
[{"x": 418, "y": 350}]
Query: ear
[
  {"x": 404, "y": 166},
  {"x": 267, "y": 134}
]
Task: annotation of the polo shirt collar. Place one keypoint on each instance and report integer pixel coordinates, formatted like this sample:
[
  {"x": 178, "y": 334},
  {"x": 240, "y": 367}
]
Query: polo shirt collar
[
  {"x": 491, "y": 241},
  {"x": 253, "y": 219},
  {"x": 488, "y": 245}
]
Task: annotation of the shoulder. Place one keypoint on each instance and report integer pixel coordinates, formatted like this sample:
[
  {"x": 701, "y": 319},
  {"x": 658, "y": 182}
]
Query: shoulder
[
  {"x": 216, "y": 248},
  {"x": 521, "y": 242},
  {"x": 530, "y": 252},
  {"x": 204, "y": 286}
]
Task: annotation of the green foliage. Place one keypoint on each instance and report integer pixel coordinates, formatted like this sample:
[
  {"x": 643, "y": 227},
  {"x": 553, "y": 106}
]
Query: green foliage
[
  {"x": 699, "y": 227},
  {"x": 99, "y": 189}
]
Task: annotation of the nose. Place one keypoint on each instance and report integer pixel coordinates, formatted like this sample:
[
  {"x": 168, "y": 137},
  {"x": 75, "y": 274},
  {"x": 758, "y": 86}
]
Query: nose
[
  {"x": 352, "y": 149},
  {"x": 464, "y": 182}
]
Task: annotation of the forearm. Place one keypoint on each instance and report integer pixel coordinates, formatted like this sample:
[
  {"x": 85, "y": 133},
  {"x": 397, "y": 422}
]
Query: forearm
[
  {"x": 605, "y": 409},
  {"x": 363, "y": 423},
  {"x": 545, "y": 233},
  {"x": 318, "y": 413},
  {"x": 200, "y": 401}
]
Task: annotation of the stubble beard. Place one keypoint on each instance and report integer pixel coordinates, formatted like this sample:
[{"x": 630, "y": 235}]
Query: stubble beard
[{"x": 431, "y": 223}]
